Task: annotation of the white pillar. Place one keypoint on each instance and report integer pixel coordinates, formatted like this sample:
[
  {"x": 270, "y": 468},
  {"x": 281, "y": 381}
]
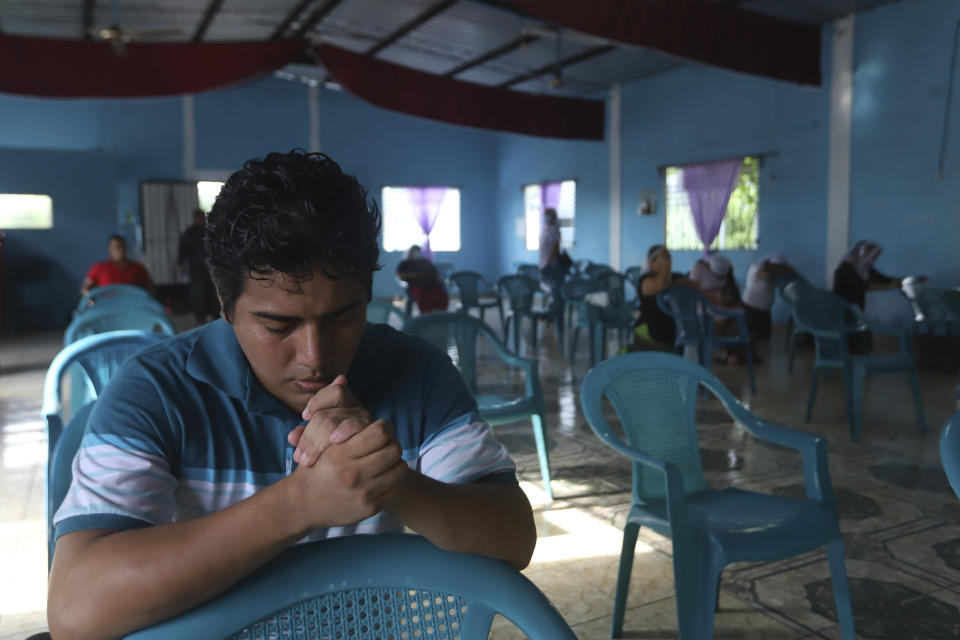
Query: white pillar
[
  {"x": 189, "y": 139},
  {"x": 841, "y": 111},
  {"x": 313, "y": 109},
  {"x": 616, "y": 212}
]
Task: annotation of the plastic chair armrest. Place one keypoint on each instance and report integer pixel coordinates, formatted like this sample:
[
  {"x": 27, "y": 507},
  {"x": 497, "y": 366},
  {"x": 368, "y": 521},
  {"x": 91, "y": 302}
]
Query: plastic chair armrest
[{"x": 724, "y": 313}]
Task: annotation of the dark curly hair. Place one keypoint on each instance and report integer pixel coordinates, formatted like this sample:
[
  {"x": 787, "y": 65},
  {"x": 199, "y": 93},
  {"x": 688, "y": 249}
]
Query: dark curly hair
[{"x": 290, "y": 213}]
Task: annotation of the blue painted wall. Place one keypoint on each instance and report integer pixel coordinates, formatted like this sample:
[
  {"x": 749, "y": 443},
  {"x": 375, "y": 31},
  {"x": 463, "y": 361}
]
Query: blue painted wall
[{"x": 902, "y": 63}]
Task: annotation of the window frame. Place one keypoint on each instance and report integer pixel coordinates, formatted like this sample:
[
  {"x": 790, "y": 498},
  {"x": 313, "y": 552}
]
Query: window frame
[
  {"x": 719, "y": 243},
  {"x": 567, "y": 246},
  {"x": 383, "y": 212}
]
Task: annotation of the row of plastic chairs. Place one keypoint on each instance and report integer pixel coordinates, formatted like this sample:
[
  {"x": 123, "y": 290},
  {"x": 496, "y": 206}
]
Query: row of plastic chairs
[{"x": 117, "y": 307}]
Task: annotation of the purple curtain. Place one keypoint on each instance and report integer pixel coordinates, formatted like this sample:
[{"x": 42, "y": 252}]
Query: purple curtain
[
  {"x": 426, "y": 202},
  {"x": 708, "y": 187},
  {"x": 549, "y": 197}
]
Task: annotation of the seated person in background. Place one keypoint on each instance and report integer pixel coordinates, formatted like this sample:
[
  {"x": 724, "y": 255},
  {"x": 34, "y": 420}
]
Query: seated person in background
[
  {"x": 714, "y": 273},
  {"x": 289, "y": 419},
  {"x": 759, "y": 293},
  {"x": 654, "y": 329},
  {"x": 117, "y": 270},
  {"x": 423, "y": 281},
  {"x": 855, "y": 275}
]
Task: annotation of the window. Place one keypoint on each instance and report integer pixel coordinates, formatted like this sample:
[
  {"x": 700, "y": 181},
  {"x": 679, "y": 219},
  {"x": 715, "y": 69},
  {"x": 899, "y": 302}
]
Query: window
[
  {"x": 739, "y": 227},
  {"x": 401, "y": 229},
  {"x": 207, "y": 192},
  {"x": 566, "y": 211},
  {"x": 25, "y": 211}
]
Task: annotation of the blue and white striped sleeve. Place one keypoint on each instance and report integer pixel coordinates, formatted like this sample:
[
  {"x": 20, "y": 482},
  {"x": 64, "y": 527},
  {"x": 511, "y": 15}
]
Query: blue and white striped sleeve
[
  {"x": 460, "y": 447},
  {"x": 121, "y": 475}
]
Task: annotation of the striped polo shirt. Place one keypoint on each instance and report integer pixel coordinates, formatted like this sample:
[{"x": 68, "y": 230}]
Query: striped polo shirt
[{"x": 185, "y": 429}]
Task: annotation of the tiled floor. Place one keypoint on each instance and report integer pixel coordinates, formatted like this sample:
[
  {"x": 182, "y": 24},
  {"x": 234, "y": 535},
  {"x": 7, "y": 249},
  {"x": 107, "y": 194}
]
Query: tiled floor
[{"x": 901, "y": 521}]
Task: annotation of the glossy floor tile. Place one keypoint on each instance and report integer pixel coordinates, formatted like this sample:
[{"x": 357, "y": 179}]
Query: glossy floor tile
[{"x": 901, "y": 521}]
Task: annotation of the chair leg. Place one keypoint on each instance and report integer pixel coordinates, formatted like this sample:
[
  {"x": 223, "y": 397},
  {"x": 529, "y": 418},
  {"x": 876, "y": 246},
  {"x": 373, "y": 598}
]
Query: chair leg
[
  {"x": 630, "y": 532},
  {"x": 792, "y": 349},
  {"x": 814, "y": 379},
  {"x": 841, "y": 591},
  {"x": 853, "y": 380},
  {"x": 599, "y": 337},
  {"x": 915, "y": 383},
  {"x": 753, "y": 380},
  {"x": 573, "y": 343},
  {"x": 789, "y": 334},
  {"x": 695, "y": 582},
  {"x": 540, "y": 436},
  {"x": 535, "y": 327},
  {"x": 517, "y": 326},
  {"x": 503, "y": 323}
]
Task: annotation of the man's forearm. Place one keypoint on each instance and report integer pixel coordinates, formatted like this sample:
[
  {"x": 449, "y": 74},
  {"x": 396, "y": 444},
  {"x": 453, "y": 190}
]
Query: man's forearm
[
  {"x": 107, "y": 586},
  {"x": 485, "y": 518}
]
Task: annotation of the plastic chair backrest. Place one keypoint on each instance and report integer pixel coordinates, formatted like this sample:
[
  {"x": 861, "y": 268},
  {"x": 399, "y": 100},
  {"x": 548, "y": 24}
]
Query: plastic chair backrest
[
  {"x": 830, "y": 317},
  {"x": 655, "y": 396},
  {"x": 468, "y": 284},
  {"x": 384, "y": 312},
  {"x": 793, "y": 290},
  {"x": 456, "y": 334},
  {"x": 632, "y": 274},
  {"x": 688, "y": 308},
  {"x": 116, "y": 317},
  {"x": 594, "y": 269},
  {"x": 950, "y": 451},
  {"x": 444, "y": 269},
  {"x": 936, "y": 309},
  {"x": 519, "y": 291},
  {"x": 613, "y": 283},
  {"x": 382, "y": 586},
  {"x": 60, "y": 468},
  {"x": 532, "y": 271},
  {"x": 111, "y": 291}
]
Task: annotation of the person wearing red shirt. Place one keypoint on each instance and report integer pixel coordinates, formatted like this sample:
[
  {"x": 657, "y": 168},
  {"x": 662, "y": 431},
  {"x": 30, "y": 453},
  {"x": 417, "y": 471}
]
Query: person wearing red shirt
[{"x": 117, "y": 270}]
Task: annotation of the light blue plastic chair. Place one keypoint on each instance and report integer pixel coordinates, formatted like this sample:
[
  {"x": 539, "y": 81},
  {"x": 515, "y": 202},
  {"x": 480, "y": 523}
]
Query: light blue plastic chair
[
  {"x": 519, "y": 293},
  {"x": 654, "y": 396},
  {"x": 574, "y": 293},
  {"x": 477, "y": 293},
  {"x": 444, "y": 269},
  {"x": 385, "y": 312},
  {"x": 460, "y": 335},
  {"x": 937, "y": 311},
  {"x": 950, "y": 451},
  {"x": 632, "y": 274},
  {"x": 371, "y": 588},
  {"x": 117, "y": 317},
  {"x": 617, "y": 314},
  {"x": 94, "y": 359},
  {"x": 695, "y": 317},
  {"x": 112, "y": 292},
  {"x": 830, "y": 320},
  {"x": 791, "y": 290},
  {"x": 532, "y": 271}
]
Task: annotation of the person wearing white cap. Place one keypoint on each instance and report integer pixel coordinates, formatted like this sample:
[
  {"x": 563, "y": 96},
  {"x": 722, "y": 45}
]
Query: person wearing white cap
[
  {"x": 714, "y": 273},
  {"x": 758, "y": 293}
]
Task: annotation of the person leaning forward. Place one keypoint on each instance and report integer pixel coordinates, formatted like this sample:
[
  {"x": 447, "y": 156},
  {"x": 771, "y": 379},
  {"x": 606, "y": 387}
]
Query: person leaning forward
[{"x": 289, "y": 419}]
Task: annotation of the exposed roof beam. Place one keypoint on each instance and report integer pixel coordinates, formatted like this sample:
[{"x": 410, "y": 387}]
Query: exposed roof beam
[
  {"x": 315, "y": 17},
  {"x": 411, "y": 25},
  {"x": 212, "y": 8},
  {"x": 490, "y": 55},
  {"x": 88, "y": 10},
  {"x": 558, "y": 65},
  {"x": 293, "y": 15}
]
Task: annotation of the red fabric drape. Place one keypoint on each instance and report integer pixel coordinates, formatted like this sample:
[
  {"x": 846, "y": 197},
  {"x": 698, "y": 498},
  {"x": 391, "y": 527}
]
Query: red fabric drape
[
  {"x": 77, "y": 68},
  {"x": 710, "y": 32},
  {"x": 422, "y": 94}
]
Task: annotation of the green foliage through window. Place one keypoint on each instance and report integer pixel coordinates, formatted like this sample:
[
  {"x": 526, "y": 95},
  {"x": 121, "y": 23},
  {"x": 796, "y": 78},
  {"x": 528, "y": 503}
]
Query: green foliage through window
[{"x": 739, "y": 228}]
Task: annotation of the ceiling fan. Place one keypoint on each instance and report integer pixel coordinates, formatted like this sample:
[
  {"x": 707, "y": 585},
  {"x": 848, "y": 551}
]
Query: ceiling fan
[{"x": 118, "y": 38}]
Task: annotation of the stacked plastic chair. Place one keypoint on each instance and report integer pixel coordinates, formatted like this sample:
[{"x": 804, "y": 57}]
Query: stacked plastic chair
[
  {"x": 831, "y": 320},
  {"x": 94, "y": 359},
  {"x": 384, "y": 312},
  {"x": 113, "y": 293},
  {"x": 519, "y": 292},
  {"x": 695, "y": 317},
  {"x": 654, "y": 396},
  {"x": 477, "y": 293},
  {"x": 574, "y": 294},
  {"x": 460, "y": 336},
  {"x": 371, "y": 588}
]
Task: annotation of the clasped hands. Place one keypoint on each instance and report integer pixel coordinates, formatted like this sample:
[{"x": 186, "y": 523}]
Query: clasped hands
[{"x": 350, "y": 460}]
